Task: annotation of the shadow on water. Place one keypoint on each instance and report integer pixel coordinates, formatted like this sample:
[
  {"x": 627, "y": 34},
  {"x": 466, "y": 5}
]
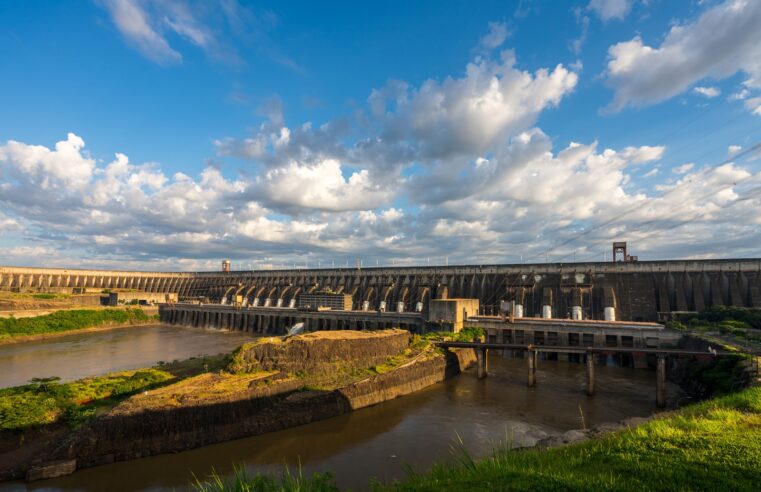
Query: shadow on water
[{"x": 416, "y": 430}]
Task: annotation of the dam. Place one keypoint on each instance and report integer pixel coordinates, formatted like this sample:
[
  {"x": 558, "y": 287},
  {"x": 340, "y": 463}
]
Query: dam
[{"x": 636, "y": 290}]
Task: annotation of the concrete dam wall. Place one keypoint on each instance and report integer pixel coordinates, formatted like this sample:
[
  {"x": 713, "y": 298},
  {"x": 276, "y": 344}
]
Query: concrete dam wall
[{"x": 638, "y": 291}]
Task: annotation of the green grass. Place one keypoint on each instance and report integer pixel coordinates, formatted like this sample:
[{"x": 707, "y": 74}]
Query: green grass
[
  {"x": 714, "y": 445},
  {"x": 70, "y": 320},
  {"x": 241, "y": 481},
  {"x": 45, "y": 401}
]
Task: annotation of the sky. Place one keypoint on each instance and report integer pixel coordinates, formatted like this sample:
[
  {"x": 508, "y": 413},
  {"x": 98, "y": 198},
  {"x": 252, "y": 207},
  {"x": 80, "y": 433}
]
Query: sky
[{"x": 172, "y": 134}]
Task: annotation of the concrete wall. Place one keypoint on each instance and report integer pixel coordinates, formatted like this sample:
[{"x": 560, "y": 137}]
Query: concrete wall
[
  {"x": 639, "y": 290},
  {"x": 452, "y": 311}
]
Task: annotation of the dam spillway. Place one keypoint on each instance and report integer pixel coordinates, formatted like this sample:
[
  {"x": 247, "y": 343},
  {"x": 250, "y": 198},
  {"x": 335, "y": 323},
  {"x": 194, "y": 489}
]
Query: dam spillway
[{"x": 640, "y": 291}]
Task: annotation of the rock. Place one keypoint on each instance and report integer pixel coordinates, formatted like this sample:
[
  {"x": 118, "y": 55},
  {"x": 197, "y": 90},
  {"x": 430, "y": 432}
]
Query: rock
[
  {"x": 635, "y": 421},
  {"x": 573, "y": 436},
  {"x": 51, "y": 470}
]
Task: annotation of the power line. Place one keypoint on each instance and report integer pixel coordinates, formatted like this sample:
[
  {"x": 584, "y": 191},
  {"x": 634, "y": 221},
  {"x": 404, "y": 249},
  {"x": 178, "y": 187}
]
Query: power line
[{"x": 750, "y": 150}]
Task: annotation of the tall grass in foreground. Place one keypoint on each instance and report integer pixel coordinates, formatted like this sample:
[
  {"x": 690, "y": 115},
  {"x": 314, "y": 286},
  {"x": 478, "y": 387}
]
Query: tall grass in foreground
[{"x": 242, "y": 482}]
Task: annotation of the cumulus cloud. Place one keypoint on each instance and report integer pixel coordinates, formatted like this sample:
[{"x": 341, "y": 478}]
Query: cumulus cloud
[
  {"x": 522, "y": 198},
  {"x": 707, "y": 92},
  {"x": 469, "y": 114},
  {"x": 724, "y": 40},
  {"x": 611, "y": 9}
]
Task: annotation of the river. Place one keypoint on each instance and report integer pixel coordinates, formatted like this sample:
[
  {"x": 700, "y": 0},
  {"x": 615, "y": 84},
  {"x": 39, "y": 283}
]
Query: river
[
  {"x": 78, "y": 355},
  {"x": 379, "y": 441}
]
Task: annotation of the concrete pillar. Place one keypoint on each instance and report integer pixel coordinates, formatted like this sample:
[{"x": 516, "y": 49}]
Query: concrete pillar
[
  {"x": 640, "y": 361},
  {"x": 546, "y": 311},
  {"x": 531, "y": 359},
  {"x": 400, "y": 307},
  {"x": 518, "y": 311},
  {"x": 576, "y": 312},
  {"x": 483, "y": 365},
  {"x": 366, "y": 306},
  {"x": 590, "y": 373},
  {"x": 610, "y": 314},
  {"x": 280, "y": 303},
  {"x": 292, "y": 303},
  {"x": 660, "y": 382}
]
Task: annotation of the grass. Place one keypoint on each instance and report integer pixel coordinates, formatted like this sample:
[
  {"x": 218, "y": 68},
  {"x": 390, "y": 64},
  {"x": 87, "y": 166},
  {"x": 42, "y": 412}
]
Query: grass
[
  {"x": 737, "y": 322},
  {"x": 713, "y": 445},
  {"x": 70, "y": 320},
  {"x": 46, "y": 401},
  {"x": 241, "y": 481}
]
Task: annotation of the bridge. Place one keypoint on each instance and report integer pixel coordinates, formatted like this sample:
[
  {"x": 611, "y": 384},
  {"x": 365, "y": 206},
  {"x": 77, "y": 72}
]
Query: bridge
[
  {"x": 635, "y": 291},
  {"x": 590, "y": 356}
]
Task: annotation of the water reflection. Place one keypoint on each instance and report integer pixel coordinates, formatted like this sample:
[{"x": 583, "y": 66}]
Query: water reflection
[{"x": 86, "y": 354}]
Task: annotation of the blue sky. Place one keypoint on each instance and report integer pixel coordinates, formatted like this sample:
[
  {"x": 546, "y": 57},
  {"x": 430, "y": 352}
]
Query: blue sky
[{"x": 401, "y": 132}]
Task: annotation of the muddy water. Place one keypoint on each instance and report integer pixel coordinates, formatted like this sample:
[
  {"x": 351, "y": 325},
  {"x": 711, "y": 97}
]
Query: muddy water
[
  {"x": 415, "y": 430},
  {"x": 87, "y": 354}
]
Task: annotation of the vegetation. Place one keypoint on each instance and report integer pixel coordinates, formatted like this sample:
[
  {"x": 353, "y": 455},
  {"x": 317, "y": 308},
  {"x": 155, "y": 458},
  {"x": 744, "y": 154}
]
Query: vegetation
[
  {"x": 45, "y": 401},
  {"x": 713, "y": 445},
  {"x": 70, "y": 320},
  {"x": 242, "y": 482},
  {"x": 722, "y": 319}
]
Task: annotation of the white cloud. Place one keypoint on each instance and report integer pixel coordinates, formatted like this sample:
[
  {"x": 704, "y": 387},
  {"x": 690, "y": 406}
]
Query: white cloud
[
  {"x": 320, "y": 186},
  {"x": 733, "y": 149},
  {"x": 754, "y": 105},
  {"x": 467, "y": 115},
  {"x": 684, "y": 168},
  {"x": 708, "y": 92},
  {"x": 523, "y": 198},
  {"x": 611, "y": 9},
  {"x": 134, "y": 23},
  {"x": 643, "y": 154},
  {"x": 739, "y": 95},
  {"x": 651, "y": 173},
  {"x": 495, "y": 37},
  {"x": 723, "y": 41}
]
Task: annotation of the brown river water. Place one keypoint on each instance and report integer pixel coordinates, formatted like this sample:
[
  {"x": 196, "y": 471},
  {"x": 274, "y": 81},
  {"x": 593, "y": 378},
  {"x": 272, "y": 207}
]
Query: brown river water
[{"x": 380, "y": 441}]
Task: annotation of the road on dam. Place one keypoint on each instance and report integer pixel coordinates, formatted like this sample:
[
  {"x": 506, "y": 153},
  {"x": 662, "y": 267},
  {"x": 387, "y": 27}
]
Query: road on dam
[
  {"x": 379, "y": 441},
  {"x": 77, "y": 355}
]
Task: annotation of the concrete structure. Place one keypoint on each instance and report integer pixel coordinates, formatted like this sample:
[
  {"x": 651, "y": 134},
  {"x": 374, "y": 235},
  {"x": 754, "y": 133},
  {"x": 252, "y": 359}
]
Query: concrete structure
[
  {"x": 141, "y": 297},
  {"x": 452, "y": 313},
  {"x": 278, "y": 320},
  {"x": 590, "y": 355},
  {"x": 325, "y": 300},
  {"x": 637, "y": 291}
]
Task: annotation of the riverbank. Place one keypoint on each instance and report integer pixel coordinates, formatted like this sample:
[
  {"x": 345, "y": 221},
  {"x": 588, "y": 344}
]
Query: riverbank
[
  {"x": 268, "y": 385},
  {"x": 713, "y": 445},
  {"x": 64, "y": 322}
]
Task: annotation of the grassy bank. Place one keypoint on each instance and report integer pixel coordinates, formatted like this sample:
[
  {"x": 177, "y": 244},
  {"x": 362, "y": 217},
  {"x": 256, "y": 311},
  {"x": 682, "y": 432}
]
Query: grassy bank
[
  {"x": 713, "y": 445},
  {"x": 47, "y": 401},
  {"x": 71, "y": 320}
]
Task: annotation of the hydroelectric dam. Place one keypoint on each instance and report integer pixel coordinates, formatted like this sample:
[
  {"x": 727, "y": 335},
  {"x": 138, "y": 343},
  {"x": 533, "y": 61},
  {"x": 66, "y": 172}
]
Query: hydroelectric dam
[{"x": 624, "y": 291}]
